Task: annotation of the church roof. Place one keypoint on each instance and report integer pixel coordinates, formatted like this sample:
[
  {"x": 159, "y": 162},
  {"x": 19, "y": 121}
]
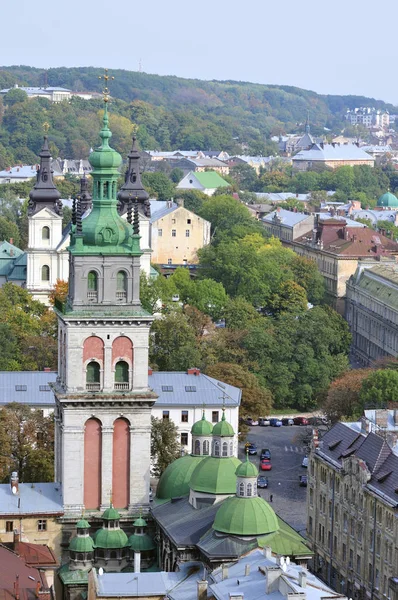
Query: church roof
[
  {"x": 81, "y": 543},
  {"x": 246, "y": 469},
  {"x": 110, "y": 538},
  {"x": 246, "y": 516},
  {"x": 388, "y": 200},
  {"x": 223, "y": 428},
  {"x": 174, "y": 481},
  {"x": 215, "y": 475},
  {"x": 202, "y": 427},
  {"x": 141, "y": 543}
]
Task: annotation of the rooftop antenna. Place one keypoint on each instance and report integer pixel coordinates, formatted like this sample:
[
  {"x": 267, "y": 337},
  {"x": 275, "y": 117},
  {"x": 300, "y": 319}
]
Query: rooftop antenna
[{"x": 140, "y": 66}]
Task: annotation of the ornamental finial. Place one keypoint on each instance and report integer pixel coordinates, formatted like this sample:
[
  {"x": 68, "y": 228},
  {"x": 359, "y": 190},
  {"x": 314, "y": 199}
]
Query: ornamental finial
[
  {"x": 105, "y": 91},
  {"x": 46, "y": 127}
]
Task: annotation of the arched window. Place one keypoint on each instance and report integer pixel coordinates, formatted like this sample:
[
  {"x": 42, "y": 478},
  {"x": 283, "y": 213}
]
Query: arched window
[
  {"x": 45, "y": 273},
  {"x": 197, "y": 447},
  {"x": 113, "y": 554},
  {"x": 231, "y": 448},
  {"x": 206, "y": 447},
  {"x": 121, "y": 286},
  {"x": 121, "y": 375},
  {"x": 249, "y": 489},
  {"x": 93, "y": 376},
  {"x": 92, "y": 286},
  {"x": 225, "y": 449},
  {"x": 106, "y": 189},
  {"x": 241, "y": 489},
  {"x": 45, "y": 233},
  {"x": 216, "y": 449}
]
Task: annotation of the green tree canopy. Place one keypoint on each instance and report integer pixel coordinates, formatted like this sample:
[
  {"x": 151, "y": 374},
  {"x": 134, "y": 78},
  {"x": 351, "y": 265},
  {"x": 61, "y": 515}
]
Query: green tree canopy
[
  {"x": 379, "y": 388},
  {"x": 165, "y": 447},
  {"x": 173, "y": 345}
]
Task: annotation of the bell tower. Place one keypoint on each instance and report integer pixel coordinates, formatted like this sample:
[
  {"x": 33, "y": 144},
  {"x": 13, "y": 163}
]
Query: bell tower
[{"x": 103, "y": 402}]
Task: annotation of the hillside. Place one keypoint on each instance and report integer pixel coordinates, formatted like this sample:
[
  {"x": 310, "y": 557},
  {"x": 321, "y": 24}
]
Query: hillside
[{"x": 173, "y": 113}]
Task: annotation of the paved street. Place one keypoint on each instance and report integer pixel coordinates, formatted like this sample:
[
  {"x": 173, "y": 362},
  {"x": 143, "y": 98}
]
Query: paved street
[{"x": 287, "y": 453}]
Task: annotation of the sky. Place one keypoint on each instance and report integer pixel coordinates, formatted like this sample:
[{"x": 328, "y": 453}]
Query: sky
[{"x": 338, "y": 47}]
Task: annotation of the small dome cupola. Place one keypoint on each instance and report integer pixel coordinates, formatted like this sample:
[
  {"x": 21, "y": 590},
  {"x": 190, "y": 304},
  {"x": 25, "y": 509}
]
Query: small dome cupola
[
  {"x": 111, "y": 536},
  {"x": 201, "y": 437},
  {"x": 223, "y": 438},
  {"x": 140, "y": 541},
  {"x": 81, "y": 548},
  {"x": 246, "y": 479},
  {"x": 388, "y": 200}
]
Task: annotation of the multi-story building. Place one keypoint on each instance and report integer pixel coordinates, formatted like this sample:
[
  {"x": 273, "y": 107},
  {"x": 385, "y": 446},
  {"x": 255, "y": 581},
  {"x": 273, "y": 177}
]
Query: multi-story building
[
  {"x": 332, "y": 156},
  {"x": 352, "y": 506},
  {"x": 372, "y": 312},
  {"x": 369, "y": 117},
  {"x": 288, "y": 225}
]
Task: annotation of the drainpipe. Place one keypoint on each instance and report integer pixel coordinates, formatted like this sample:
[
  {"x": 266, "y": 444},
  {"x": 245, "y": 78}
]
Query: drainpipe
[
  {"x": 331, "y": 532},
  {"x": 374, "y": 551}
]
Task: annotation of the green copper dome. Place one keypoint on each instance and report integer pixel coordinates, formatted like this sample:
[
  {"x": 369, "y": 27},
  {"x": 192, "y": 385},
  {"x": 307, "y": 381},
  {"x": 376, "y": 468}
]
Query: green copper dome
[
  {"x": 83, "y": 543},
  {"x": 111, "y": 538},
  {"x": 141, "y": 543},
  {"x": 140, "y": 522},
  {"x": 82, "y": 524},
  {"x": 105, "y": 157},
  {"x": 246, "y": 469},
  {"x": 202, "y": 427},
  {"x": 111, "y": 514},
  {"x": 215, "y": 475},
  {"x": 388, "y": 200},
  {"x": 174, "y": 481},
  {"x": 223, "y": 428},
  {"x": 245, "y": 516}
]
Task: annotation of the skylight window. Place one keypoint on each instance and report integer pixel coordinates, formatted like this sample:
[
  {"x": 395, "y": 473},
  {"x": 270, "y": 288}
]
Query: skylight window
[
  {"x": 190, "y": 388},
  {"x": 167, "y": 388},
  {"x": 21, "y": 388},
  {"x": 44, "y": 388}
]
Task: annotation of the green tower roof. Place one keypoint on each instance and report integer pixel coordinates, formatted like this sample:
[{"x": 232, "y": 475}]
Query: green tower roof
[
  {"x": 245, "y": 516},
  {"x": 215, "y": 475},
  {"x": 83, "y": 543},
  {"x": 223, "y": 428},
  {"x": 141, "y": 543},
  {"x": 82, "y": 524},
  {"x": 202, "y": 427},
  {"x": 111, "y": 538},
  {"x": 140, "y": 522},
  {"x": 246, "y": 469},
  {"x": 111, "y": 514},
  {"x": 105, "y": 157},
  {"x": 388, "y": 200},
  {"x": 174, "y": 481}
]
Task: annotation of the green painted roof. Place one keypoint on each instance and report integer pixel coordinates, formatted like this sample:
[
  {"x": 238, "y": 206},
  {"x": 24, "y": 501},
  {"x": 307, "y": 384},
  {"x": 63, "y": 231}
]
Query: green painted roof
[
  {"x": 215, "y": 475},
  {"x": 174, "y": 481},
  {"x": 202, "y": 427},
  {"x": 286, "y": 541},
  {"x": 110, "y": 514},
  {"x": 223, "y": 428},
  {"x": 141, "y": 543},
  {"x": 380, "y": 283},
  {"x": 245, "y": 516},
  {"x": 140, "y": 522},
  {"x": 105, "y": 157},
  {"x": 73, "y": 576},
  {"x": 211, "y": 179},
  {"x": 83, "y": 543},
  {"x": 247, "y": 469},
  {"x": 82, "y": 524},
  {"x": 388, "y": 200},
  {"x": 111, "y": 538}
]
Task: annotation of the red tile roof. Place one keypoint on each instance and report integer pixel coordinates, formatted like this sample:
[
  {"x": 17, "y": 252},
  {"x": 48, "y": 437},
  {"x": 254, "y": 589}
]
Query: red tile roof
[
  {"x": 15, "y": 573},
  {"x": 34, "y": 555}
]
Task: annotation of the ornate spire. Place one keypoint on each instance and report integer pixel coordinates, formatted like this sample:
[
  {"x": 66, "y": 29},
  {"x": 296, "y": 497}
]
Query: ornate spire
[
  {"x": 307, "y": 123},
  {"x": 44, "y": 192},
  {"x": 133, "y": 186}
]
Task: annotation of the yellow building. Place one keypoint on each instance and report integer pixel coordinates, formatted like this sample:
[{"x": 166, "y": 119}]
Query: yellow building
[
  {"x": 177, "y": 235},
  {"x": 332, "y": 156}
]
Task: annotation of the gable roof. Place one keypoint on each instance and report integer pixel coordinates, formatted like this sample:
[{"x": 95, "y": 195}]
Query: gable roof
[
  {"x": 31, "y": 499},
  {"x": 333, "y": 152},
  {"x": 11, "y": 566},
  {"x": 27, "y": 387},
  {"x": 288, "y": 218},
  {"x": 210, "y": 180}
]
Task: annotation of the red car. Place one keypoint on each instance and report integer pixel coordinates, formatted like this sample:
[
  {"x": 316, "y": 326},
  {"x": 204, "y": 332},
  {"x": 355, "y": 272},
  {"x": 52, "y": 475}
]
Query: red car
[
  {"x": 265, "y": 464},
  {"x": 300, "y": 421}
]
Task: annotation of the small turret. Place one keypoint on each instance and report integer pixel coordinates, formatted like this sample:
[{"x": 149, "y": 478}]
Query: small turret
[
  {"x": 81, "y": 548},
  {"x": 133, "y": 189},
  {"x": 86, "y": 200},
  {"x": 44, "y": 193}
]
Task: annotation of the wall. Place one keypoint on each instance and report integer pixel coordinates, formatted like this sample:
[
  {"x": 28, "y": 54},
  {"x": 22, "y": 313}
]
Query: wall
[{"x": 51, "y": 537}]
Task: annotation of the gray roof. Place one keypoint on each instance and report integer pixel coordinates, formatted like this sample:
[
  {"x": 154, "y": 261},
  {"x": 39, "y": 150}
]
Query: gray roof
[
  {"x": 27, "y": 387},
  {"x": 215, "y": 545},
  {"x": 32, "y": 498},
  {"x": 374, "y": 215},
  {"x": 161, "y": 208},
  {"x": 209, "y": 391},
  {"x": 324, "y": 216},
  {"x": 330, "y": 152},
  {"x": 288, "y": 217}
]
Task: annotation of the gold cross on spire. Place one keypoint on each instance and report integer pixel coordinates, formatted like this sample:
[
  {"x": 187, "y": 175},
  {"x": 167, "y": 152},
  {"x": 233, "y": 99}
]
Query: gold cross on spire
[
  {"x": 106, "y": 78},
  {"x": 46, "y": 127}
]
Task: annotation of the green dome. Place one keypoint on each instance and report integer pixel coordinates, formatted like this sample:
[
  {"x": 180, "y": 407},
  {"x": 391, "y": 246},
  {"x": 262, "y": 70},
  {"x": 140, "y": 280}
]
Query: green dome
[
  {"x": 83, "y": 543},
  {"x": 245, "y": 516},
  {"x": 202, "y": 427},
  {"x": 82, "y": 524},
  {"x": 174, "y": 481},
  {"x": 215, "y": 475},
  {"x": 110, "y": 538},
  {"x": 388, "y": 200},
  {"x": 111, "y": 514},
  {"x": 105, "y": 157},
  {"x": 141, "y": 543},
  {"x": 246, "y": 469},
  {"x": 223, "y": 428},
  {"x": 140, "y": 522}
]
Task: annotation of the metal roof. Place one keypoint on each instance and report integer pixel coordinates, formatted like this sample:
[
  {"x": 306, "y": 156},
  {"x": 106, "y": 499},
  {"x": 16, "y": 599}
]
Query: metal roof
[
  {"x": 161, "y": 208},
  {"x": 32, "y": 498},
  {"x": 333, "y": 152},
  {"x": 184, "y": 524},
  {"x": 27, "y": 387},
  {"x": 288, "y": 218}
]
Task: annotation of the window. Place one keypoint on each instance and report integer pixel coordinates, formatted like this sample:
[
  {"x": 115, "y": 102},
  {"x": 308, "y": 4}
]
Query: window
[
  {"x": 44, "y": 388},
  {"x": 121, "y": 281},
  {"x": 241, "y": 489},
  {"x": 190, "y": 388},
  {"x": 206, "y": 447},
  {"x": 92, "y": 285},
  {"x": 188, "y": 221},
  {"x": 21, "y": 388},
  {"x": 121, "y": 374},
  {"x": 310, "y": 525},
  {"x": 249, "y": 489},
  {"x": 45, "y": 233},
  {"x": 166, "y": 414},
  {"x": 351, "y": 562},
  {"x": 9, "y": 526},
  {"x": 225, "y": 449},
  {"x": 216, "y": 449},
  {"x": 169, "y": 261},
  {"x": 187, "y": 233},
  {"x": 41, "y": 525},
  {"x": 184, "y": 416},
  {"x": 344, "y": 552},
  {"x": 45, "y": 273},
  {"x": 167, "y": 388},
  {"x": 197, "y": 447},
  {"x": 358, "y": 564},
  {"x": 184, "y": 439},
  {"x": 214, "y": 416},
  {"x": 173, "y": 221},
  {"x": 160, "y": 232},
  {"x": 93, "y": 375},
  {"x": 173, "y": 233}
]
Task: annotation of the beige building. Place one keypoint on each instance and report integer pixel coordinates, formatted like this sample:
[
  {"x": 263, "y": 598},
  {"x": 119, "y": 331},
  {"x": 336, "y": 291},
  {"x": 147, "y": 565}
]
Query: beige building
[
  {"x": 332, "y": 156},
  {"x": 288, "y": 225},
  {"x": 352, "y": 514},
  {"x": 177, "y": 235}
]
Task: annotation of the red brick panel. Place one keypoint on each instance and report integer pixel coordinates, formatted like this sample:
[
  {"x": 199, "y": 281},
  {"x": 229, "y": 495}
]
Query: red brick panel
[
  {"x": 121, "y": 464},
  {"x": 92, "y": 463},
  {"x": 122, "y": 349},
  {"x": 93, "y": 348}
]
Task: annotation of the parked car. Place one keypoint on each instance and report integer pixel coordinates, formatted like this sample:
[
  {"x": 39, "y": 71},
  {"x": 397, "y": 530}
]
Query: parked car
[
  {"x": 251, "y": 448},
  {"x": 250, "y": 421},
  {"x": 265, "y": 464},
  {"x": 150, "y": 495},
  {"x": 287, "y": 421},
  {"x": 265, "y": 453},
  {"x": 303, "y": 480},
  {"x": 263, "y": 421},
  {"x": 275, "y": 422},
  {"x": 300, "y": 421},
  {"x": 262, "y": 482},
  {"x": 305, "y": 462},
  {"x": 317, "y": 421}
]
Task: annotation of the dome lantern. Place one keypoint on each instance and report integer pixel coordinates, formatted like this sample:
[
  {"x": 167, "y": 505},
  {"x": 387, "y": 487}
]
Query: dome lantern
[{"x": 201, "y": 437}]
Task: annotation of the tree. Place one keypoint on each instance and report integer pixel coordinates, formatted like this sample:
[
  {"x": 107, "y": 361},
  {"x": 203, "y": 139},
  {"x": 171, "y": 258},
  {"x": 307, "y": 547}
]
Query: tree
[
  {"x": 379, "y": 388},
  {"x": 164, "y": 444},
  {"x": 193, "y": 199},
  {"x": 158, "y": 185},
  {"x": 244, "y": 175},
  {"x": 290, "y": 297},
  {"x": 342, "y": 400},
  {"x": 209, "y": 297},
  {"x": 26, "y": 444},
  {"x": 239, "y": 313},
  {"x": 14, "y": 96},
  {"x": 9, "y": 231},
  {"x": 173, "y": 345},
  {"x": 176, "y": 175},
  {"x": 59, "y": 291},
  {"x": 156, "y": 294},
  {"x": 224, "y": 212}
]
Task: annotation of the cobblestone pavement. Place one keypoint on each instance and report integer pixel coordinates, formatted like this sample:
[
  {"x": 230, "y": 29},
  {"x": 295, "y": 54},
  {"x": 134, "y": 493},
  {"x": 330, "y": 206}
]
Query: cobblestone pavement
[{"x": 287, "y": 453}]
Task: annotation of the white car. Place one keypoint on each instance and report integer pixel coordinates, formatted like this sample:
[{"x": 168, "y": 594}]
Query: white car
[{"x": 305, "y": 462}]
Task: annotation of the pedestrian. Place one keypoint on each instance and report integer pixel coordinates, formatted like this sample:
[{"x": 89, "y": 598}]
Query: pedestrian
[{"x": 270, "y": 498}]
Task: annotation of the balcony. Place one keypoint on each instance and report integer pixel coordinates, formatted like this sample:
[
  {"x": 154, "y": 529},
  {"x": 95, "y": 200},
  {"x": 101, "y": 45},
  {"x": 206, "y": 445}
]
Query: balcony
[
  {"x": 121, "y": 296},
  {"x": 120, "y": 387},
  {"x": 93, "y": 387},
  {"x": 92, "y": 296}
]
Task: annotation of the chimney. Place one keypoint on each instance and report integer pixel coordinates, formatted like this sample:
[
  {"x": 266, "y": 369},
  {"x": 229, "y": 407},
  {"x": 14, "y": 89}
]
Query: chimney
[
  {"x": 272, "y": 579},
  {"x": 17, "y": 536},
  {"x": 303, "y": 579},
  {"x": 247, "y": 570},
  {"x": 38, "y": 586},
  {"x": 16, "y": 587},
  {"x": 14, "y": 482},
  {"x": 201, "y": 589},
  {"x": 224, "y": 572},
  {"x": 47, "y": 369},
  {"x": 137, "y": 562},
  {"x": 11, "y": 240},
  {"x": 193, "y": 371},
  {"x": 382, "y": 417},
  {"x": 180, "y": 202},
  {"x": 150, "y": 372},
  {"x": 267, "y": 552}
]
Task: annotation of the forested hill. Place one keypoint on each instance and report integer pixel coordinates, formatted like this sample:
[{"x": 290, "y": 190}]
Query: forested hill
[{"x": 176, "y": 113}]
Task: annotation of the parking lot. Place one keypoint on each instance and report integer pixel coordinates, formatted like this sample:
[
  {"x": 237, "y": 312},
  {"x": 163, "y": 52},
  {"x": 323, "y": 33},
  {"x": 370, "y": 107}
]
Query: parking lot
[{"x": 287, "y": 453}]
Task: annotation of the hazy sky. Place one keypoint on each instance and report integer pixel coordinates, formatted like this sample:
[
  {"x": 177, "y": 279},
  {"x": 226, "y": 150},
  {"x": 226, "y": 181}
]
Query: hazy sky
[{"x": 337, "y": 47}]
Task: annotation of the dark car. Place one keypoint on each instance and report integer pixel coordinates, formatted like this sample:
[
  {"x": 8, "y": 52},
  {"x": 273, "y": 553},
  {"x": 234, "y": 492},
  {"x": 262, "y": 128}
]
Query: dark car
[
  {"x": 287, "y": 421},
  {"x": 265, "y": 464},
  {"x": 262, "y": 482},
  {"x": 265, "y": 453},
  {"x": 300, "y": 421},
  {"x": 275, "y": 422},
  {"x": 251, "y": 448},
  {"x": 303, "y": 480}
]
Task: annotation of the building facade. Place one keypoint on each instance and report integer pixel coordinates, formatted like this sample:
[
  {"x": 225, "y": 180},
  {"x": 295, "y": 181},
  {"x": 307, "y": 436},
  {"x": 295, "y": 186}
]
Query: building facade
[
  {"x": 288, "y": 225},
  {"x": 352, "y": 503},
  {"x": 332, "y": 156}
]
